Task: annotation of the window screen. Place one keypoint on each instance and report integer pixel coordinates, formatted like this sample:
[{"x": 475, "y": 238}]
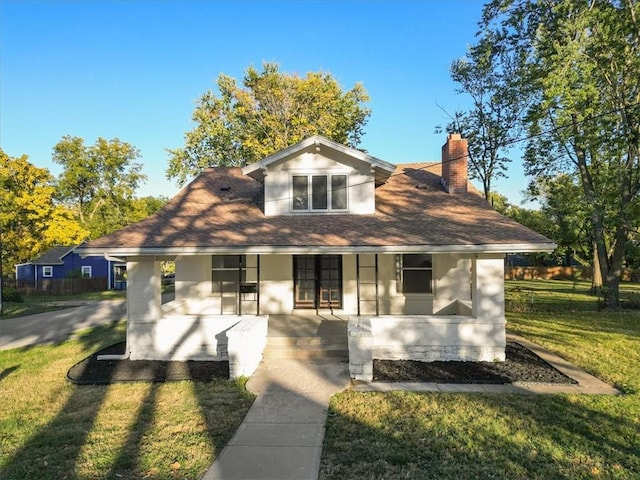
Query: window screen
[{"x": 416, "y": 273}]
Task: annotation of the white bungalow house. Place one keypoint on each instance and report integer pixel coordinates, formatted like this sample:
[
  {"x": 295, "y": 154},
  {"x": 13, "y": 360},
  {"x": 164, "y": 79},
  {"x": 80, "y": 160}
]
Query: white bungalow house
[{"x": 411, "y": 254}]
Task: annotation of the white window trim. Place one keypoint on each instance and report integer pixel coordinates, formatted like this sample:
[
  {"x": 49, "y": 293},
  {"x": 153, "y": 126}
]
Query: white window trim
[
  {"x": 400, "y": 277},
  {"x": 309, "y": 176},
  {"x": 47, "y": 271},
  {"x": 85, "y": 268}
]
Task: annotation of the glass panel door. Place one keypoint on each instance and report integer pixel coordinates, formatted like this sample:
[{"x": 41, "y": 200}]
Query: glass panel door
[
  {"x": 304, "y": 281},
  {"x": 318, "y": 281},
  {"x": 330, "y": 281}
]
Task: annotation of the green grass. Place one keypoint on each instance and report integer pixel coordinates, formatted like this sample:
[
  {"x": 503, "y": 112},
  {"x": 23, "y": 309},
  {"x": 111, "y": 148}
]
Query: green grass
[
  {"x": 559, "y": 295},
  {"x": 46, "y": 303},
  {"x": 51, "y": 429},
  {"x": 453, "y": 436}
]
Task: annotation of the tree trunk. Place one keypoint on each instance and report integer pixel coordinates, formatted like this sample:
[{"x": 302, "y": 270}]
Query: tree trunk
[
  {"x": 614, "y": 273},
  {"x": 596, "y": 277}
]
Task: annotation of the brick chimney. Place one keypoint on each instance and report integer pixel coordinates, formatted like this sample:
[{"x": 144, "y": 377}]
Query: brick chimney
[{"x": 454, "y": 164}]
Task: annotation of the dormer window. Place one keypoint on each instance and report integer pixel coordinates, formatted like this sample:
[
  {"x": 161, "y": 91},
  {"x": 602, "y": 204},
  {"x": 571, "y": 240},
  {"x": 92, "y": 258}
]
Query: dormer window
[{"x": 319, "y": 193}]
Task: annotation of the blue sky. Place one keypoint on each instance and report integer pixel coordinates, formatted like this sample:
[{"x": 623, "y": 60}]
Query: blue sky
[{"x": 133, "y": 70}]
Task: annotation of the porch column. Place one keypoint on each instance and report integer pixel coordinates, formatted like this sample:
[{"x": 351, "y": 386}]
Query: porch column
[
  {"x": 487, "y": 279},
  {"x": 144, "y": 295}
]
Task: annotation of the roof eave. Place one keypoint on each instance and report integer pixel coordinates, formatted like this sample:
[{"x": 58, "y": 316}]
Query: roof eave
[
  {"x": 255, "y": 169},
  {"x": 305, "y": 249}
]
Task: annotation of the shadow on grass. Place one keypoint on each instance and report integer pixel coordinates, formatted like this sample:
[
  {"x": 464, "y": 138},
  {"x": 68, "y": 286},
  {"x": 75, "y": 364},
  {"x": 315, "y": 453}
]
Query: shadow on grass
[
  {"x": 128, "y": 458},
  {"x": 450, "y": 436},
  {"x": 53, "y": 451},
  {"x": 8, "y": 371},
  {"x": 58, "y": 449}
]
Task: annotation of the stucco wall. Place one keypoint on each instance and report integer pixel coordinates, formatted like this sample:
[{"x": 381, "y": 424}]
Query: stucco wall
[
  {"x": 425, "y": 338},
  {"x": 451, "y": 285},
  {"x": 393, "y": 301},
  {"x": 276, "y": 284},
  {"x": 193, "y": 285},
  {"x": 278, "y": 187},
  {"x": 452, "y": 276},
  {"x": 181, "y": 337}
]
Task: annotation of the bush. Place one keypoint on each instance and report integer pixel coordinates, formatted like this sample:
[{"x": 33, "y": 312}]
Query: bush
[
  {"x": 10, "y": 294},
  {"x": 75, "y": 273}
]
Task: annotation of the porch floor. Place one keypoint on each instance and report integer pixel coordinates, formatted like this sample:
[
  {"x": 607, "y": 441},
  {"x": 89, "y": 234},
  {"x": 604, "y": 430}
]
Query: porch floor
[{"x": 307, "y": 325}]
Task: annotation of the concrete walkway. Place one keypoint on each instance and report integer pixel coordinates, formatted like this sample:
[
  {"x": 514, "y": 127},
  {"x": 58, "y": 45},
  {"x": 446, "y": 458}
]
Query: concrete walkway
[
  {"x": 281, "y": 436},
  {"x": 58, "y": 325}
]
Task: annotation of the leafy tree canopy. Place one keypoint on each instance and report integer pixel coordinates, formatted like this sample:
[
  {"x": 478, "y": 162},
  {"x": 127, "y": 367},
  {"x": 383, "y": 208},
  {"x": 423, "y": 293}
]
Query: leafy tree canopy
[
  {"x": 493, "y": 121},
  {"x": 578, "y": 64},
  {"x": 30, "y": 220},
  {"x": 99, "y": 182},
  {"x": 270, "y": 111}
]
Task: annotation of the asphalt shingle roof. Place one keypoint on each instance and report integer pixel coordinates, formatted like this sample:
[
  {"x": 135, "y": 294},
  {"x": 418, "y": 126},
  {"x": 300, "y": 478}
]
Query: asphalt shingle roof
[
  {"x": 53, "y": 256},
  {"x": 222, "y": 208}
]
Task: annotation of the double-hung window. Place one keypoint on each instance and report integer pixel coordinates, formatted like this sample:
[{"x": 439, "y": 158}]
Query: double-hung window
[
  {"x": 86, "y": 271},
  {"x": 319, "y": 193},
  {"x": 415, "y": 273},
  {"x": 47, "y": 271}
]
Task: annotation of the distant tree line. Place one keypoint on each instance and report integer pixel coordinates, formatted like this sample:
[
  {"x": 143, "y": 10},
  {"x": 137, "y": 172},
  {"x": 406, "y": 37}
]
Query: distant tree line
[{"x": 94, "y": 195}]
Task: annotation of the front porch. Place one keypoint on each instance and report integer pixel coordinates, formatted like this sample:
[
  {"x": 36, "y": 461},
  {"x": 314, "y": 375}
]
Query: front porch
[{"x": 241, "y": 307}]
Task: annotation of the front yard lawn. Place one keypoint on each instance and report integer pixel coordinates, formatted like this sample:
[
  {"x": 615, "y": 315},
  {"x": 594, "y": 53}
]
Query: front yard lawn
[
  {"x": 51, "y": 429},
  {"x": 454, "y": 436},
  {"x": 32, "y": 304}
]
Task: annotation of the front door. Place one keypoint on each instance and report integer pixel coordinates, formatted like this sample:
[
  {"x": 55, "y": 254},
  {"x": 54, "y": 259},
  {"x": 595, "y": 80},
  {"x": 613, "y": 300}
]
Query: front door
[{"x": 317, "y": 281}]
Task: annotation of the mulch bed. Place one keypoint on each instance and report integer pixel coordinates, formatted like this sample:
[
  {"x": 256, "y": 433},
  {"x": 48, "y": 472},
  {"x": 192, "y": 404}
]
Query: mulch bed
[
  {"x": 92, "y": 371},
  {"x": 521, "y": 365}
]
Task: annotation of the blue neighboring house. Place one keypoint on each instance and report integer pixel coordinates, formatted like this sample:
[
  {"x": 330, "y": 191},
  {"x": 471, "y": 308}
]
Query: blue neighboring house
[{"x": 60, "y": 261}]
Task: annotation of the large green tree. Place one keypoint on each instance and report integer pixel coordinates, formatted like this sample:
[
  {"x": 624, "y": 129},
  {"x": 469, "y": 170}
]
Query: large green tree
[
  {"x": 493, "y": 121},
  {"x": 269, "y": 111},
  {"x": 30, "y": 219},
  {"x": 581, "y": 71},
  {"x": 99, "y": 182}
]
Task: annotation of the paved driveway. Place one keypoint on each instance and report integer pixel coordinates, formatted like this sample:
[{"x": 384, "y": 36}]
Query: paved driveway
[{"x": 56, "y": 326}]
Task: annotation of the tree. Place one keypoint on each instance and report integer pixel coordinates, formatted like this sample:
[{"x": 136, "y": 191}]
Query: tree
[
  {"x": 142, "y": 207},
  {"x": 581, "y": 69},
  {"x": 99, "y": 182},
  {"x": 30, "y": 220},
  {"x": 493, "y": 122},
  {"x": 269, "y": 112}
]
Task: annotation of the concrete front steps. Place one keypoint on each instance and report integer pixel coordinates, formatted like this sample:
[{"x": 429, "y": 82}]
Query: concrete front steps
[{"x": 334, "y": 347}]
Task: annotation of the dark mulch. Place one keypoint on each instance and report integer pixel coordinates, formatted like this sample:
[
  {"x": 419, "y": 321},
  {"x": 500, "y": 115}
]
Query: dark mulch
[
  {"x": 92, "y": 371},
  {"x": 521, "y": 365}
]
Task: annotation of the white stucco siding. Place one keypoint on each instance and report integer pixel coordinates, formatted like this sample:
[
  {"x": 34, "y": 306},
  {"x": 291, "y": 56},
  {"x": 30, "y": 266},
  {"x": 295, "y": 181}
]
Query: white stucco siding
[
  {"x": 425, "y": 338},
  {"x": 276, "y": 284},
  {"x": 278, "y": 181},
  {"x": 193, "y": 286},
  {"x": 144, "y": 294},
  {"x": 488, "y": 287},
  {"x": 452, "y": 276},
  {"x": 349, "y": 285},
  {"x": 393, "y": 301}
]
